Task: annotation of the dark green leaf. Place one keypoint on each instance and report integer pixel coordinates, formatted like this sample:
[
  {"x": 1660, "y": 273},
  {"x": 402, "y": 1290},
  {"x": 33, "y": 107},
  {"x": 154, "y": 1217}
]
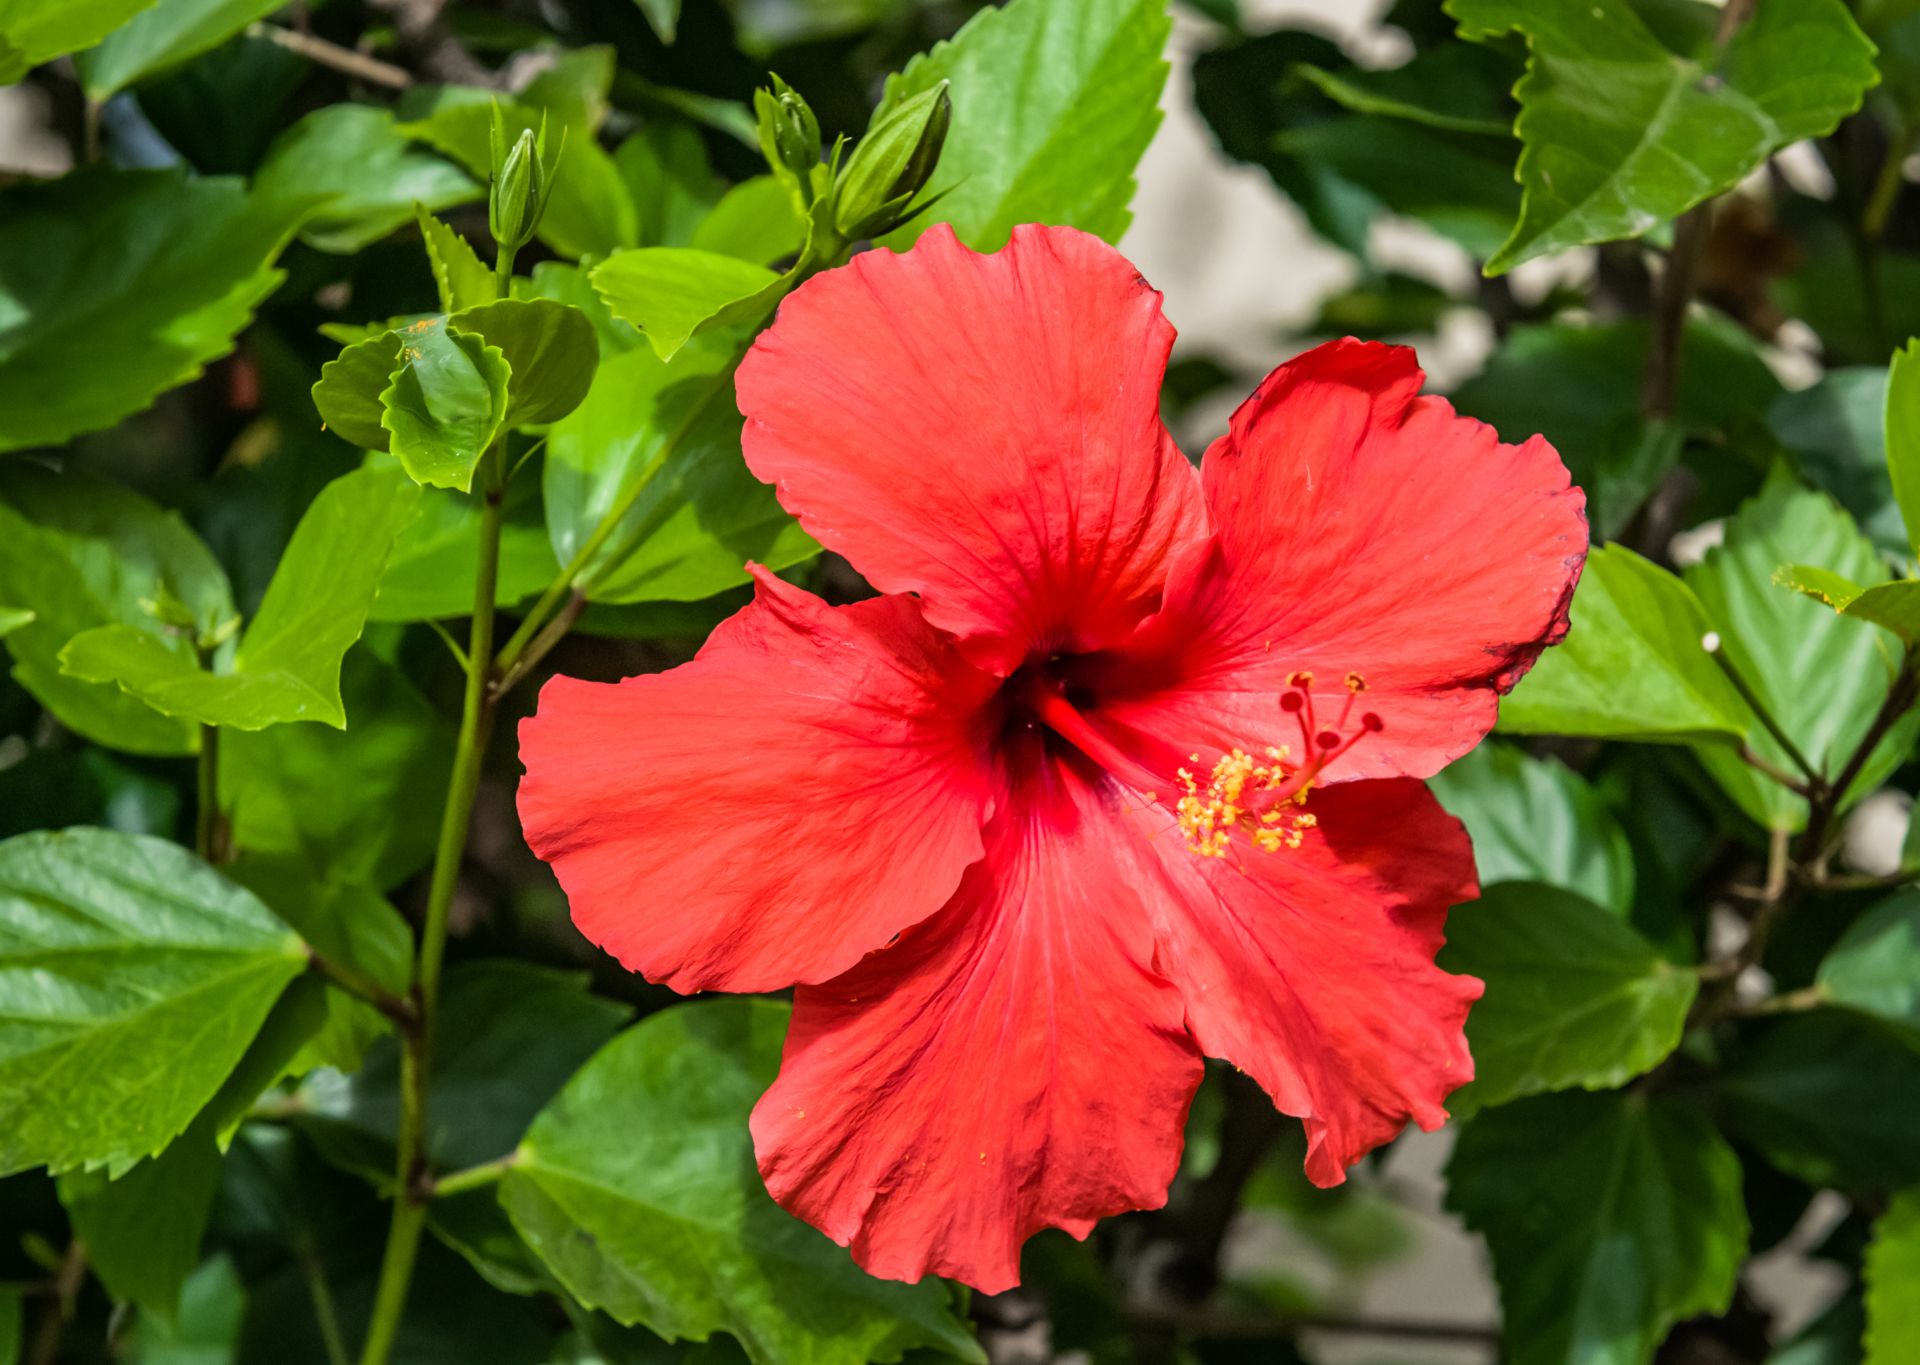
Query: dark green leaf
[
  {"x": 550, "y": 351},
  {"x": 1574, "y": 996},
  {"x": 143, "y": 1230},
  {"x": 366, "y": 166},
  {"x": 1610, "y": 1218},
  {"x": 665, "y": 168},
  {"x": 637, "y": 1186},
  {"x": 1821, "y": 675},
  {"x": 670, "y": 430},
  {"x": 53, "y": 788},
  {"x": 670, "y": 293},
  {"x": 1875, "y": 967},
  {"x": 361, "y": 803},
  {"x": 168, "y": 34},
  {"x": 1053, "y": 103},
  {"x": 1537, "y": 820},
  {"x": 117, "y": 285},
  {"x": 663, "y": 16},
  {"x": 445, "y": 404},
  {"x": 1829, "y": 1097},
  {"x": 1836, "y": 431},
  {"x": 1461, "y": 87},
  {"x": 431, "y": 573},
  {"x": 287, "y": 667},
  {"x": 1632, "y": 666},
  {"x": 36, "y": 31},
  {"x": 81, "y": 554},
  {"x": 350, "y": 387},
  {"x": 132, "y": 977},
  {"x": 1893, "y": 1284},
  {"x": 1902, "y": 423},
  {"x": 1621, "y": 133}
]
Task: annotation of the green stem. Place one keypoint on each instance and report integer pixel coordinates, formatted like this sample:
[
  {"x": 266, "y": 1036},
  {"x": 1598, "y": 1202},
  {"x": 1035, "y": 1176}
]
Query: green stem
[
  {"x": 324, "y": 1311},
  {"x": 503, "y": 272},
  {"x": 206, "y": 815},
  {"x": 475, "y": 1177},
  {"x": 412, "y": 1188},
  {"x": 1716, "y": 651}
]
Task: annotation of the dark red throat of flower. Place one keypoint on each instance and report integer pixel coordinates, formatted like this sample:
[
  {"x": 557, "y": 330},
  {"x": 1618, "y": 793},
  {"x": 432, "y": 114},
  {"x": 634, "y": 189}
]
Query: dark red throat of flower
[{"x": 1262, "y": 797}]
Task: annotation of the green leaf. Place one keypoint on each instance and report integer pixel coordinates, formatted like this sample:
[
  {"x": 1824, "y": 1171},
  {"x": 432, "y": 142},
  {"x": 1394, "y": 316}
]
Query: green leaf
[
  {"x": 445, "y": 404},
  {"x": 637, "y": 1186},
  {"x": 287, "y": 667},
  {"x": 1574, "y": 996},
  {"x": 348, "y": 393},
  {"x": 1875, "y": 967},
  {"x": 1610, "y": 1217},
  {"x": 117, "y": 285},
  {"x": 1580, "y": 384},
  {"x": 671, "y": 430},
  {"x": 132, "y": 978},
  {"x": 507, "y": 1037},
  {"x": 590, "y": 211},
  {"x": 36, "y": 31},
  {"x": 1903, "y": 436},
  {"x": 1053, "y": 103},
  {"x": 1460, "y": 87},
  {"x": 550, "y": 351},
  {"x": 211, "y": 1309},
  {"x": 330, "y": 796},
  {"x": 663, "y": 16},
  {"x": 143, "y": 1230},
  {"x": 1893, "y": 605},
  {"x": 9, "y": 1326},
  {"x": 169, "y": 34},
  {"x": 754, "y": 221},
  {"x": 1892, "y": 1275},
  {"x": 458, "y": 274},
  {"x": 1836, "y": 432},
  {"x": 665, "y": 168},
  {"x": 1830, "y": 1098},
  {"x": 365, "y": 165},
  {"x": 1821, "y": 675},
  {"x": 1621, "y": 132},
  {"x": 431, "y": 574},
  {"x": 1631, "y": 666},
  {"x": 670, "y": 293},
  {"x": 1537, "y": 820},
  {"x": 79, "y": 554}
]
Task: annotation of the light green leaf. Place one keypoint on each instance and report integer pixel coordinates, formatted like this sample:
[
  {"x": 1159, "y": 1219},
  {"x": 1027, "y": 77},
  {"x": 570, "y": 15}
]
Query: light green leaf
[
  {"x": 1621, "y": 132},
  {"x": 36, "y": 31},
  {"x": 1875, "y": 967},
  {"x": 671, "y": 430},
  {"x": 169, "y": 34},
  {"x": 143, "y": 1230},
  {"x": 1893, "y": 605},
  {"x": 665, "y": 168},
  {"x": 1830, "y": 1097},
  {"x": 287, "y": 667},
  {"x": 364, "y": 164},
  {"x": 350, "y": 386},
  {"x": 1574, "y": 996},
  {"x": 431, "y": 574},
  {"x": 1821, "y": 675},
  {"x": 754, "y": 221},
  {"x": 1892, "y": 1274},
  {"x": 1610, "y": 1217},
  {"x": 1903, "y": 436},
  {"x": 590, "y": 211},
  {"x": 1053, "y": 103},
  {"x": 637, "y": 1186},
  {"x": 462, "y": 280},
  {"x": 80, "y": 554},
  {"x": 1631, "y": 666},
  {"x": 1537, "y": 820},
  {"x": 445, "y": 404},
  {"x": 117, "y": 285},
  {"x": 329, "y": 795},
  {"x": 550, "y": 351},
  {"x": 132, "y": 978},
  {"x": 670, "y": 293}
]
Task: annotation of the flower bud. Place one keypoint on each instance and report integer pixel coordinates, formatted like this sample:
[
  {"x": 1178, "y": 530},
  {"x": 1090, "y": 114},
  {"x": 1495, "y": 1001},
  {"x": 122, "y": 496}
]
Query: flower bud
[
  {"x": 789, "y": 136},
  {"x": 519, "y": 184},
  {"x": 892, "y": 164}
]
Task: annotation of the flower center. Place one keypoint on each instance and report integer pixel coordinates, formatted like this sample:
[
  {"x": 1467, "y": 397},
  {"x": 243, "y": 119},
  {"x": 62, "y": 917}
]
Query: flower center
[{"x": 1264, "y": 797}]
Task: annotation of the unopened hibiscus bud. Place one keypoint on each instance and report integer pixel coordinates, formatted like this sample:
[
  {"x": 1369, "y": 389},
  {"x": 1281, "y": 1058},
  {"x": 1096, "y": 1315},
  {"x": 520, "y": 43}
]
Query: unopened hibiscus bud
[
  {"x": 892, "y": 164},
  {"x": 789, "y": 136},
  {"x": 519, "y": 184}
]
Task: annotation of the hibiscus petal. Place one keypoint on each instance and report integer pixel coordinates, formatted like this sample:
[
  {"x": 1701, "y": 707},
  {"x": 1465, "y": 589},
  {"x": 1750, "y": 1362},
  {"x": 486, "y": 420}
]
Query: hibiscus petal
[
  {"x": 1011, "y": 1064},
  {"x": 812, "y": 783},
  {"x": 983, "y": 430},
  {"x": 1312, "y": 970},
  {"x": 1359, "y": 528}
]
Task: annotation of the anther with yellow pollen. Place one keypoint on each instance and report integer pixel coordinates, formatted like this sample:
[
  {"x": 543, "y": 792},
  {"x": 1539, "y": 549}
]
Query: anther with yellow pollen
[{"x": 1263, "y": 796}]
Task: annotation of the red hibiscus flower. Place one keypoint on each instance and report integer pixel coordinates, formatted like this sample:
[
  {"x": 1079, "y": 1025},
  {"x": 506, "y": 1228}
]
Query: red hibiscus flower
[{"x": 1121, "y": 768}]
